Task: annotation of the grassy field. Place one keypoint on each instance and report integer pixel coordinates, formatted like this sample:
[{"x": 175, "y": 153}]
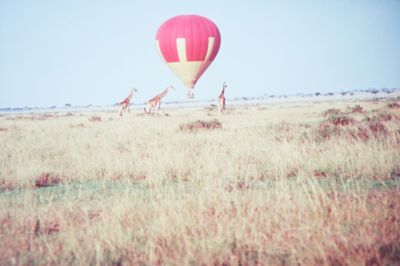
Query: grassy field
[{"x": 278, "y": 184}]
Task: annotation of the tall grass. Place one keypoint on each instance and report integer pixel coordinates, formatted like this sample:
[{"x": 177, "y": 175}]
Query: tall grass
[{"x": 280, "y": 184}]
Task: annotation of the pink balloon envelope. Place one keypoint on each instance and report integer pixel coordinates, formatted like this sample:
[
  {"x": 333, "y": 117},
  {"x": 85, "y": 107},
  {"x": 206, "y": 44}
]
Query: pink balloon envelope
[{"x": 188, "y": 44}]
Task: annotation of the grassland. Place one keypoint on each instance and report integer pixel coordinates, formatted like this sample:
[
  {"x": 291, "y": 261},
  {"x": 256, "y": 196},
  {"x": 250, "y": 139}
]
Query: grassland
[{"x": 278, "y": 184}]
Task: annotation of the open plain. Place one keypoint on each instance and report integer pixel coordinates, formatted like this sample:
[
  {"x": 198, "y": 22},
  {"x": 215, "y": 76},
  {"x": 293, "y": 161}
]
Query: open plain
[{"x": 311, "y": 183}]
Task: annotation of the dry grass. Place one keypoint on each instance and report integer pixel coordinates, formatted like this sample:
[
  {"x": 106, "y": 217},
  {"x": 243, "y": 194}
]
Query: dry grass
[{"x": 309, "y": 183}]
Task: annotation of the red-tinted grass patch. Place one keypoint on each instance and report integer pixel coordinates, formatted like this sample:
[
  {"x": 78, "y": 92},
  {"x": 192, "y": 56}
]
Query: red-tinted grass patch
[
  {"x": 46, "y": 228},
  {"x": 356, "y": 109},
  {"x": 393, "y": 105},
  {"x": 341, "y": 120},
  {"x": 47, "y": 180},
  {"x": 318, "y": 173}
]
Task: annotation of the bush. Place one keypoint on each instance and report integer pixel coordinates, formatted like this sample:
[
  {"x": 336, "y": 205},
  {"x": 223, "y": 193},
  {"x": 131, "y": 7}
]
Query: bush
[
  {"x": 330, "y": 112},
  {"x": 341, "y": 120},
  {"x": 356, "y": 109},
  {"x": 47, "y": 180},
  {"x": 343, "y": 126},
  {"x": 201, "y": 125},
  {"x": 393, "y": 105},
  {"x": 95, "y": 118}
]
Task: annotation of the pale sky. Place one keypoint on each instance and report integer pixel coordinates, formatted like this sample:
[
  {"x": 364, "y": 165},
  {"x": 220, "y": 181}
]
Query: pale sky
[{"x": 93, "y": 52}]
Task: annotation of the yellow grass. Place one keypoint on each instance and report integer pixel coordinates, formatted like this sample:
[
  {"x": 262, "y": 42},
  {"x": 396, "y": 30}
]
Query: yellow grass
[{"x": 273, "y": 186}]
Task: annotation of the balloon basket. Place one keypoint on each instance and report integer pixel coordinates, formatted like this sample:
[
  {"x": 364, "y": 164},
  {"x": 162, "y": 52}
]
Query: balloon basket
[{"x": 190, "y": 94}]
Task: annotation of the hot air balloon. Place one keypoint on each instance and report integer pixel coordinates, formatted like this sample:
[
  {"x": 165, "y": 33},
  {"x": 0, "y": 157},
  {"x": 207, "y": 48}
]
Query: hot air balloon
[{"x": 188, "y": 44}]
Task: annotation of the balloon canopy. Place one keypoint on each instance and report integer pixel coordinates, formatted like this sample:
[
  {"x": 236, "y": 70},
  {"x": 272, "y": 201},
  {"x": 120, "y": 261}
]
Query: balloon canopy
[{"x": 188, "y": 44}]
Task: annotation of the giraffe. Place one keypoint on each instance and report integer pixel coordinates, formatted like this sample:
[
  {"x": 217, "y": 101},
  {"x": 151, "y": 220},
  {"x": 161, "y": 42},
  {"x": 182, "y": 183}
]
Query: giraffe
[
  {"x": 156, "y": 101},
  {"x": 221, "y": 99},
  {"x": 125, "y": 104}
]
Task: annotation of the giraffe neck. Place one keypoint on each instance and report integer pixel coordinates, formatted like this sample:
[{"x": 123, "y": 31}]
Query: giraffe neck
[
  {"x": 130, "y": 95},
  {"x": 223, "y": 89},
  {"x": 222, "y": 92},
  {"x": 162, "y": 94}
]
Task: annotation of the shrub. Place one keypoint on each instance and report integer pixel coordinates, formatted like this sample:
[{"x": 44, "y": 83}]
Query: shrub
[
  {"x": 343, "y": 126},
  {"x": 6, "y": 185},
  {"x": 47, "y": 180},
  {"x": 341, "y": 120},
  {"x": 76, "y": 125},
  {"x": 201, "y": 125},
  {"x": 393, "y": 105},
  {"x": 382, "y": 117},
  {"x": 385, "y": 117},
  {"x": 319, "y": 173},
  {"x": 356, "y": 109},
  {"x": 95, "y": 118},
  {"x": 378, "y": 129},
  {"x": 330, "y": 112}
]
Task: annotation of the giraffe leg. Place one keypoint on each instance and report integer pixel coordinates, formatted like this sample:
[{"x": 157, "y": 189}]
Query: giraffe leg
[
  {"x": 121, "y": 109},
  {"x": 150, "y": 109},
  {"x": 159, "y": 108},
  {"x": 147, "y": 109},
  {"x": 155, "y": 106}
]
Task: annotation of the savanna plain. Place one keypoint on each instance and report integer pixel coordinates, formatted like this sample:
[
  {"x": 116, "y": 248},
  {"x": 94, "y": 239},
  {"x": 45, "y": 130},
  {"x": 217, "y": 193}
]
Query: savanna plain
[{"x": 309, "y": 183}]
